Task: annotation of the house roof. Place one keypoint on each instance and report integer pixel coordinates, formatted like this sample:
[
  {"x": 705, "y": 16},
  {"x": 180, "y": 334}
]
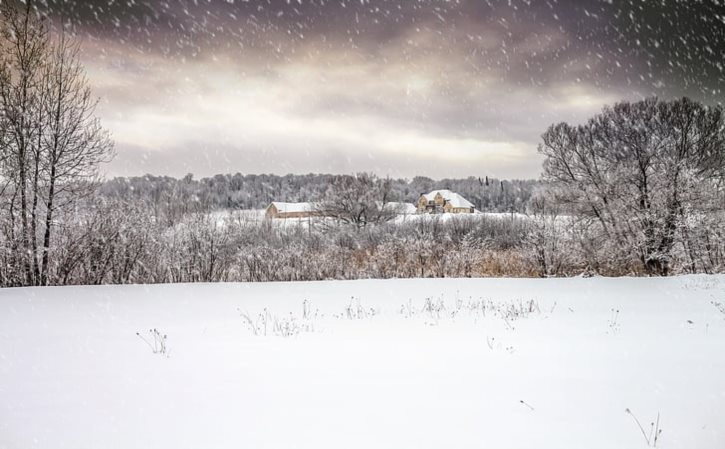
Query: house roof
[
  {"x": 457, "y": 200},
  {"x": 293, "y": 207},
  {"x": 444, "y": 193},
  {"x": 453, "y": 198}
]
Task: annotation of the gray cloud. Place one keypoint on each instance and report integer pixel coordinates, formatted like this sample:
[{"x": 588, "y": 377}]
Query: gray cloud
[{"x": 440, "y": 88}]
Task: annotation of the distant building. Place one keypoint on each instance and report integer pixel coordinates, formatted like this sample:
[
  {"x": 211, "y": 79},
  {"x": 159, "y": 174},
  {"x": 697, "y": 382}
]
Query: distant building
[
  {"x": 291, "y": 210},
  {"x": 440, "y": 201}
]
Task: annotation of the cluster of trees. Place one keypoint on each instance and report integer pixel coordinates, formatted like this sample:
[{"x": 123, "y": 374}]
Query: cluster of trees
[
  {"x": 643, "y": 184},
  {"x": 122, "y": 243},
  {"x": 50, "y": 141},
  {"x": 114, "y": 242}
]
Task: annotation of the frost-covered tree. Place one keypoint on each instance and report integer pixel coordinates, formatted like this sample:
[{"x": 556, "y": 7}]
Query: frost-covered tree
[
  {"x": 548, "y": 241},
  {"x": 52, "y": 143},
  {"x": 358, "y": 200},
  {"x": 23, "y": 47},
  {"x": 636, "y": 170}
]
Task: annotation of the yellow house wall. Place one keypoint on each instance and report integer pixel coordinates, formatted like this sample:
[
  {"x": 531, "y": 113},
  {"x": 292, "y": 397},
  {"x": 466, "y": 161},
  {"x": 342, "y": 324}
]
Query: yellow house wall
[
  {"x": 273, "y": 212},
  {"x": 295, "y": 214},
  {"x": 422, "y": 203}
]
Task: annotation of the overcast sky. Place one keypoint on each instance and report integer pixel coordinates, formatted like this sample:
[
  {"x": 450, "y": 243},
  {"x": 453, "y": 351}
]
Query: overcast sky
[{"x": 401, "y": 88}]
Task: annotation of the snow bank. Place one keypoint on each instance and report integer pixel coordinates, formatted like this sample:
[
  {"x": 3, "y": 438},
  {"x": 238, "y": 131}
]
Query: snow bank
[{"x": 426, "y": 363}]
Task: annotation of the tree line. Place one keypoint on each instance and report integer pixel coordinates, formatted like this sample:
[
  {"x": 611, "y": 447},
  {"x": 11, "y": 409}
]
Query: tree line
[{"x": 257, "y": 191}]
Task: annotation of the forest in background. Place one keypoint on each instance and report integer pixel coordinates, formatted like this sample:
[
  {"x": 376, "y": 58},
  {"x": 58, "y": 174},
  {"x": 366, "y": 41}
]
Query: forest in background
[{"x": 238, "y": 191}]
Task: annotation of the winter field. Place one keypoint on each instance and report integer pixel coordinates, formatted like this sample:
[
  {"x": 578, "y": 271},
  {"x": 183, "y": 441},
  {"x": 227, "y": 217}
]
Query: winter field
[{"x": 424, "y": 363}]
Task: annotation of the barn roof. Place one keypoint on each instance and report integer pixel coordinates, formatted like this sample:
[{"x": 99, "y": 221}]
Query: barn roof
[{"x": 293, "y": 207}]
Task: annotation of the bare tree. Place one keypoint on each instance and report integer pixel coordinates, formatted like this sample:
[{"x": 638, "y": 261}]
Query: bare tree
[
  {"x": 636, "y": 169},
  {"x": 358, "y": 200},
  {"x": 52, "y": 144},
  {"x": 75, "y": 143},
  {"x": 546, "y": 238},
  {"x": 23, "y": 45}
]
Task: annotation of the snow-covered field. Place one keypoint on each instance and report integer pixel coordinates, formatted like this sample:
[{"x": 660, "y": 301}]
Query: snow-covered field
[{"x": 427, "y": 363}]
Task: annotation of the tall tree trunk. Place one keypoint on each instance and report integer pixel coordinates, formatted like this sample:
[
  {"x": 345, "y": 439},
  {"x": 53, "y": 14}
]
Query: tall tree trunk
[
  {"x": 24, "y": 214},
  {"x": 34, "y": 219},
  {"x": 48, "y": 228}
]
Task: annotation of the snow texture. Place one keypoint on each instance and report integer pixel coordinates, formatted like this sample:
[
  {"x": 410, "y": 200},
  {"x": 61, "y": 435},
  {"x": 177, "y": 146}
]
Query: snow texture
[{"x": 426, "y": 363}]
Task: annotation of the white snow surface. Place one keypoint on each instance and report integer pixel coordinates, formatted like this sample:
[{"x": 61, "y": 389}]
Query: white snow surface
[{"x": 381, "y": 370}]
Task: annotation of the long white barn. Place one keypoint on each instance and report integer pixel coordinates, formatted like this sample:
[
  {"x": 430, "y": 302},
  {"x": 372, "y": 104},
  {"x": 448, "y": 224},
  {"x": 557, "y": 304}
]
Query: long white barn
[{"x": 291, "y": 210}]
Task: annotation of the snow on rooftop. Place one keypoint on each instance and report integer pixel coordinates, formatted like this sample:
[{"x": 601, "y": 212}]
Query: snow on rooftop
[
  {"x": 431, "y": 196},
  {"x": 293, "y": 207},
  {"x": 457, "y": 200}
]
